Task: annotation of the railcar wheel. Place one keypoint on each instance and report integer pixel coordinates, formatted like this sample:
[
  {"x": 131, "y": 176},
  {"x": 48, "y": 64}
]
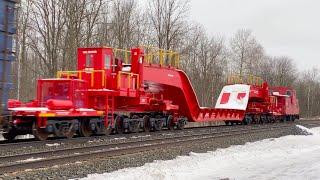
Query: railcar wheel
[
  {"x": 109, "y": 130},
  {"x": 245, "y": 121},
  {"x": 69, "y": 133},
  {"x": 158, "y": 124},
  {"x": 85, "y": 129},
  {"x": 135, "y": 127},
  {"x": 10, "y": 136},
  {"x": 169, "y": 122},
  {"x": 146, "y": 120},
  {"x": 263, "y": 119},
  {"x": 180, "y": 125},
  {"x": 39, "y": 133},
  {"x": 118, "y": 125}
]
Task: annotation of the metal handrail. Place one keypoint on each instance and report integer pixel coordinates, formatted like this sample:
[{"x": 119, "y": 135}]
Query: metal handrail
[
  {"x": 78, "y": 74},
  {"x": 173, "y": 57},
  {"x": 129, "y": 78},
  {"x": 152, "y": 53},
  {"x": 126, "y": 53},
  {"x": 249, "y": 79}
]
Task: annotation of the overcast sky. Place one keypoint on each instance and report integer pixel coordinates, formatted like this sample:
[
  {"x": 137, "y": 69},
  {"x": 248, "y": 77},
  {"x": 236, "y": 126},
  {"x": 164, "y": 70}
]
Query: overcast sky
[{"x": 283, "y": 27}]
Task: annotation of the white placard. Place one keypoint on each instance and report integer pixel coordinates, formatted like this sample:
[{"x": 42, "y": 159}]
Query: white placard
[{"x": 234, "y": 97}]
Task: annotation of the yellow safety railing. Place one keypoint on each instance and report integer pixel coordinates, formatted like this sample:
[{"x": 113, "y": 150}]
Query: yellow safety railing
[
  {"x": 161, "y": 56},
  {"x": 122, "y": 53},
  {"x": 79, "y": 74},
  {"x": 249, "y": 79},
  {"x": 129, "y": 75}
]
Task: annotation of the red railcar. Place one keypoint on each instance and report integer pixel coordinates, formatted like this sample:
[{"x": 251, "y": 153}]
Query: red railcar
[
  {"x": 131, "y": 92},
  {"x": 284, "y": 103}
]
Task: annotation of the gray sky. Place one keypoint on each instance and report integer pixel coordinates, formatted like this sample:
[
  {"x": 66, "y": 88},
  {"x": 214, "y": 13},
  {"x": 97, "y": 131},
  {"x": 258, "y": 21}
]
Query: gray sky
[{"x": 283, "y": 27}]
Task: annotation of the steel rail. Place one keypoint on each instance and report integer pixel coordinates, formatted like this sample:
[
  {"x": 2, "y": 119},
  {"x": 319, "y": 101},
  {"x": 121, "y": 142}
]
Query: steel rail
[
  {"x": 33, "y": 142},
  {"x": 57, "y": 152},
  {"x": 112, "y": 150}
]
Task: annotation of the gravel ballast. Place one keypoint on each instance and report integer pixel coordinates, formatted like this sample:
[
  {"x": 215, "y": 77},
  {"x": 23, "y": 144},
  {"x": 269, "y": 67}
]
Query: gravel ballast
[{"x": 81, "y": 169}]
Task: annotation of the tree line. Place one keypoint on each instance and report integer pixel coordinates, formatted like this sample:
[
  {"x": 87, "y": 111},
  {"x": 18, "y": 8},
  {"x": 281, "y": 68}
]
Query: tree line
[{"x": 50, "y": 31}]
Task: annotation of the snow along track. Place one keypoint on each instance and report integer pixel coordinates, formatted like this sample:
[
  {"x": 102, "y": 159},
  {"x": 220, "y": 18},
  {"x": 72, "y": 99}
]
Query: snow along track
[
  {"x": 287, "y": 157},
  {"x": 72, "y": 155}
]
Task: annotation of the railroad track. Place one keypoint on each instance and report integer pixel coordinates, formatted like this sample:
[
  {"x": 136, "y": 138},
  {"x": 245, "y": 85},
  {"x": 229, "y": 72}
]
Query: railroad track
[
  {"x": 15, "y": 163},
  {"x": 36, "y": 146},
  {"x": 14, "y": 148},
  {"x": 33, "y": 142}
]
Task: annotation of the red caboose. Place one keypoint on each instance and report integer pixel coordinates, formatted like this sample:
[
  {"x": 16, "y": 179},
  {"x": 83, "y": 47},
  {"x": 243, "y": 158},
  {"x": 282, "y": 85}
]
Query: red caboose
[{"x": 284, "y": 103}]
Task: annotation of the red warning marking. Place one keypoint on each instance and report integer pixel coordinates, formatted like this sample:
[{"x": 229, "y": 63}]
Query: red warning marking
[
  {"x": 241, "y": 96},
  {"x": 225, "y": 98}
]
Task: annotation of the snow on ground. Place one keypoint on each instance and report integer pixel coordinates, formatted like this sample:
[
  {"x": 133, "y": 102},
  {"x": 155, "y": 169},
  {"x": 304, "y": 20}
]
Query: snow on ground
[
  {"x": 54, "y": 144},
  {"x": 289, "y": 157},
  {"x": 28, "y": 136},
  {"x": 31, "y": 159},
  {"x": 135, "y": 137}
]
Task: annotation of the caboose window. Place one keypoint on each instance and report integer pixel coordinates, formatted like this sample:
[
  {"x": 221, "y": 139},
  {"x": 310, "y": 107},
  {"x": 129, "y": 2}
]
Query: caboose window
[
  {"x": 270, "y": 92},
  {"x": 107, "y": 59},
  {"x": 289, "y": 93},
  {"x": 88, "y": 61}
]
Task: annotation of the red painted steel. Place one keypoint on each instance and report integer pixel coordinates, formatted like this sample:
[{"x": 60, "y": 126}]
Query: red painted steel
[
  {"x": 175, "y": 85},
  {"x": 104, "y": 85}
]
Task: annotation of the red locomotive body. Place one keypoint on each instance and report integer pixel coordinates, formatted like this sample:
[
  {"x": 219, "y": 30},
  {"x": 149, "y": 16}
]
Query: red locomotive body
[{"x": 108, "y": 94}]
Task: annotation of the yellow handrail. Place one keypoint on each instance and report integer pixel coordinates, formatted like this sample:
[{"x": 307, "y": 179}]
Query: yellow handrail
[
  {"x": 164, "y": 57},
  {"x": 79, "y": 75},
  {"x": 249, "y": 79},
  {"x": 129, "y": 78},
  {"x": 126, "y": 54}
]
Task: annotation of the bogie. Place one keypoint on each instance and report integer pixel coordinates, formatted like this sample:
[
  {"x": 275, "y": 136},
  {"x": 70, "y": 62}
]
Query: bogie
[
  {"x": 10, "y": 136},
  {"x": 85, "y": 128},
  {"x": 39, "y": 133}
]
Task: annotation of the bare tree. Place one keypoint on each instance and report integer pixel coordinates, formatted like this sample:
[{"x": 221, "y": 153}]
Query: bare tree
[
  {"x": 284, "y": 71},
  {"x": 168, "y": 21},
  {"x": 245, "y": 52},
  {"x": 48, "y": 21},
  {"x": 74, "y": 14},
  {"x": 308, "y": 92},
  {"x": 204, "y": 58},
  {"x": 91, "y": 18},
  {"x": 124, "y": 22}
]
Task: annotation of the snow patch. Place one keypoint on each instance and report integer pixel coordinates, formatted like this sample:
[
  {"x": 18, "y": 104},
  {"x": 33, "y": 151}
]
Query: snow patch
[
  {"x": 120, "y": 138},
  {"x": 135, "y": 137},
  {"x": 288, "y": 157},
  {"x": 115, "y": 148},
  {"x": 31, "y": 159},
  {"x": 305, "y": 131},
  {"x": 27, "y": 136},
  {"x": 54, "y": 144},
  {"x": 95, "y": 141}
]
